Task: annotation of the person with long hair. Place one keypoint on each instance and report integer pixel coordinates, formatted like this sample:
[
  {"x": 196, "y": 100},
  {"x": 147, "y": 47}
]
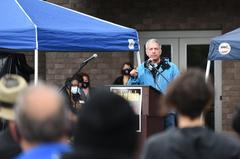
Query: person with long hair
[{"x": 125, "y": 71}]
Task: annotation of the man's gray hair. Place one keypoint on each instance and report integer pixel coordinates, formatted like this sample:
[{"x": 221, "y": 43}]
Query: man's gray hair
[
  {"x": 48, "y": 129},
  {"x": 152, "y": 40}
]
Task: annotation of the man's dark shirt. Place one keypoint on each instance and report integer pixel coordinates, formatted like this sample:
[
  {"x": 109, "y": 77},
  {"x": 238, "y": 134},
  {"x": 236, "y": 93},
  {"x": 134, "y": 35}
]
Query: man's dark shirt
[{"x": 8, "y": 147}]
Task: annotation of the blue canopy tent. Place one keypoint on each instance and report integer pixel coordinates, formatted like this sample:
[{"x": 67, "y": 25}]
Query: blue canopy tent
[
  {"x": 224, "y": 47},
  {"x": 40, "y": 25}
]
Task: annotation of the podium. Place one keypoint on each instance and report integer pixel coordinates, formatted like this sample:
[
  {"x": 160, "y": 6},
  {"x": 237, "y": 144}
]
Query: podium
[{"x": 151, "y": 120}]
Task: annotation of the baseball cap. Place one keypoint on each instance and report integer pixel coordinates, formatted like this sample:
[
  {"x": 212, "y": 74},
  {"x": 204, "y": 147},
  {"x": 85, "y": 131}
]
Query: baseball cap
[{"x": 11, "y": 86}]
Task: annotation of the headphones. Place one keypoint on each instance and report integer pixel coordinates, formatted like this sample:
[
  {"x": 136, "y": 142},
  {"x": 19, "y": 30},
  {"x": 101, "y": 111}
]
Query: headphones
[{"x": 164, "y": 64}]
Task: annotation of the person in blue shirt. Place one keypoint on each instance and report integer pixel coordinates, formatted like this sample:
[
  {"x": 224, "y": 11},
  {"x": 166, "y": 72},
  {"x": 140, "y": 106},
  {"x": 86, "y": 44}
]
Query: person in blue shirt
[
  {"x": 156, "y": 72},
  {"x": 43, "y": 121}
]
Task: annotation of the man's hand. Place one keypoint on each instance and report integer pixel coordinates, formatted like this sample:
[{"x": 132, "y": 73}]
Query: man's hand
[{"x": 134, "y": 73}]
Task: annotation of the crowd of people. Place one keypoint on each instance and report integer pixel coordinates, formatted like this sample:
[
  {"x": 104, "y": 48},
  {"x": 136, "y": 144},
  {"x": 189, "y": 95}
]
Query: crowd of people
[{"x": 42, "y": 122}]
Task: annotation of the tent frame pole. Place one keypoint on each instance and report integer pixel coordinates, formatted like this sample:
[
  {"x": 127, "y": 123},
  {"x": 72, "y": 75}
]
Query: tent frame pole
[
  {"x": 207, "y": 70},
  {"x": 217, "y": 103},
  {"x": 35, "y": 66},
  {"x": 138, "y": 58}
]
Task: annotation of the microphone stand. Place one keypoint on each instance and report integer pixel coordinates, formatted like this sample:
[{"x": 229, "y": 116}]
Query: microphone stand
[
  {"x": 155, "y": 69},
  {"x": 64, "y": 86},
  {"x": 157, "y": 72}
]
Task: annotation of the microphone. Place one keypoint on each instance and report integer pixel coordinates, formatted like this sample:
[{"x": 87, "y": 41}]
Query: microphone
[
  {"x": 149, "y": 64},
  {"x": 90, "y": 58},
  {"x": 149, "y": 61}
]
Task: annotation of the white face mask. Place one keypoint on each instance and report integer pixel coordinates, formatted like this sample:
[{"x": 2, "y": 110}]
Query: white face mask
[{"x": 74, "y": 89}]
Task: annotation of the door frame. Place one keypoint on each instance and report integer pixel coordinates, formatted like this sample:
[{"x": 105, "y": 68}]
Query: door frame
[{"x": 183, "y": 42}]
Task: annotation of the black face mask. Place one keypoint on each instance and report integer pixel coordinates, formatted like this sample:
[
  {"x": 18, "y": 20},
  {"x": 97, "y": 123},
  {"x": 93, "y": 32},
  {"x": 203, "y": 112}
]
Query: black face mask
[
  {"x": 126, "y": 71},
  {"x": 85, "y": 84}
]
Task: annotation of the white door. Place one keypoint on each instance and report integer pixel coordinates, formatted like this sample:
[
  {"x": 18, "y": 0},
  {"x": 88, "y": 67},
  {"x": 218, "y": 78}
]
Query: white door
[{"x": 190, "y": 49}]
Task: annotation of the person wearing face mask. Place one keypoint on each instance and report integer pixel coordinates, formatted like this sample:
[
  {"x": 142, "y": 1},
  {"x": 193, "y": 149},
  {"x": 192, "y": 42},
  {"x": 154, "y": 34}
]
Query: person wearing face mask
[
  {"x": 74, "y": 94},
  {"x": 84, "y": 85},
  {"x": 125, "y": 70}
]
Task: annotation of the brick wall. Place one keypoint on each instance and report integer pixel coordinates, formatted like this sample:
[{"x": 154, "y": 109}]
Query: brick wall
[
  {"x": 231, "y": 91},
  {"x": 167, "y": 15},
  {"x": 102, "y": 70},
  {"x": 41, "y": 64}
]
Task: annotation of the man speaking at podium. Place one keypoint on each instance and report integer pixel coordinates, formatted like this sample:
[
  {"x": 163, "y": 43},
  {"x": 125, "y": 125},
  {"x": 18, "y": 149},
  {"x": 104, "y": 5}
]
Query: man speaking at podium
[{"x": 156, "y": 72}]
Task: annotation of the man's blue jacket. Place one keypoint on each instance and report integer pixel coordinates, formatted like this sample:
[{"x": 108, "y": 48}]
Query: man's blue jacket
[{"x": 162, "y": 80}]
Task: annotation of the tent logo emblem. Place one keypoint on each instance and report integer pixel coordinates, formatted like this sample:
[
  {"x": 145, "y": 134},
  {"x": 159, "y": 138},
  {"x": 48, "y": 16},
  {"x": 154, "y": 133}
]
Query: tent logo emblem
[
  {"x": 224, "y": 48},
  {"x": 131, "y": 43}
]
